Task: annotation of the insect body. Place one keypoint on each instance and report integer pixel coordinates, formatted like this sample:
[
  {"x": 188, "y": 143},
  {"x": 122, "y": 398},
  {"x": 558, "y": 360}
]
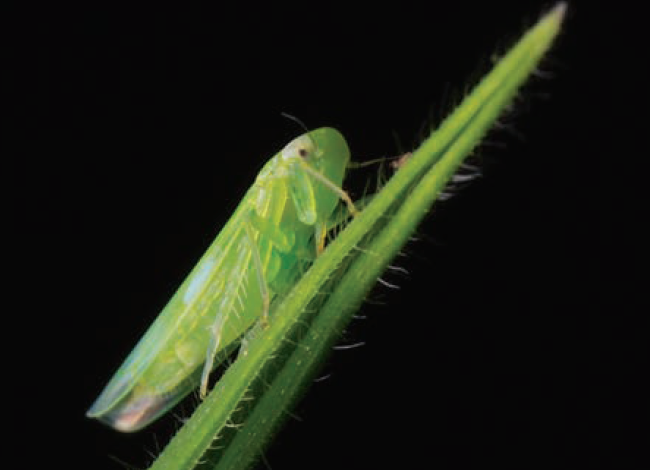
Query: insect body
[{"x": 277, "y": 229}]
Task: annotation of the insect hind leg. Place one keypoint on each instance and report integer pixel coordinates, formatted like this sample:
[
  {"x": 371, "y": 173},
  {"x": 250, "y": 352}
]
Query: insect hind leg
[
  {"x": 213, "y": 347},
  {"x": 218, "y": 325},
  {"x": 261, "y": 281}
]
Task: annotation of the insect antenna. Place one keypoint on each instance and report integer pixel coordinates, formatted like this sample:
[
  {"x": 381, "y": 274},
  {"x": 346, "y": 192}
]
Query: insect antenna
[
  {"x": 294, "y": 119},
  {"x": 301, "y": 124}
]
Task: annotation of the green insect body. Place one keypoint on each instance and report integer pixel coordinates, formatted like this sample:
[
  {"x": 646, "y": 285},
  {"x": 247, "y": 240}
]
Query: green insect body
[{"x": 275, "y": 232}]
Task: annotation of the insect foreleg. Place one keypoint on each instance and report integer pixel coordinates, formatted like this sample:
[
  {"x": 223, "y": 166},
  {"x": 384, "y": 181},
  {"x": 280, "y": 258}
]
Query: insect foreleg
[{"x": 333, "y": 187}]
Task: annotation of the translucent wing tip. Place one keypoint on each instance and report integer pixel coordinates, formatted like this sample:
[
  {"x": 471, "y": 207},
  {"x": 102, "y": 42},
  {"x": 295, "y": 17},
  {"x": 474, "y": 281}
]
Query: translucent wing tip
[
  {"x": 130, "y": 415},
  {"x": 116, "y": 390},
  {"x": 127, "y": 408}
]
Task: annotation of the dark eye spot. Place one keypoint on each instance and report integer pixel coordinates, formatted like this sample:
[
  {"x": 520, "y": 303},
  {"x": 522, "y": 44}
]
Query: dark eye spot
[{"x": 303, "y": 153}]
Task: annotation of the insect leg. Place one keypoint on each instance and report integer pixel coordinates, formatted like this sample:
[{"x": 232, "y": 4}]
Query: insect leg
[
  {"x": 320, "y": 234},
  {"x": 213, "y": 347},
  {"x": 217, "y": 327},
  {"x": 333, "y": 187},
  {"x": 264, "y": 290}
]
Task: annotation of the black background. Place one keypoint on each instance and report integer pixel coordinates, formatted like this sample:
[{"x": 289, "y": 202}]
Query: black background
[{"x": 139, "y": 130}]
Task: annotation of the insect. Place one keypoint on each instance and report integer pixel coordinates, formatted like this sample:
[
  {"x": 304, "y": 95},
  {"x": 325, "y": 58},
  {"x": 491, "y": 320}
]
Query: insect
[{"x": 276, "y": 231}]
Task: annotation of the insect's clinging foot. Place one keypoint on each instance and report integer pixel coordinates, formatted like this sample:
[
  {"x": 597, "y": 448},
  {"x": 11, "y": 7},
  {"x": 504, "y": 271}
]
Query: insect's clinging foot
[
  {"x": 266, "y": 301},
  {"x": 351, "y": 207},
  {"x": 203, "y": 391}
]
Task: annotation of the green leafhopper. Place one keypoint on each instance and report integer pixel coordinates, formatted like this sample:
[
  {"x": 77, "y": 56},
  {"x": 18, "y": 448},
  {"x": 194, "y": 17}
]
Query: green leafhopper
[{"x": 276, "y": 231}]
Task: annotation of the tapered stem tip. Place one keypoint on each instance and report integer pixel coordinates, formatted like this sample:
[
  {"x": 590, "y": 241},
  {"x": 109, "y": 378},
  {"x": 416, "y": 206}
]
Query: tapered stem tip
[{"x": 559, "y": 10}]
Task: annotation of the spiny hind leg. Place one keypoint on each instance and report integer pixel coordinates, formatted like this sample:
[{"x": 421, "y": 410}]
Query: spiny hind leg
[
  {"x": 217, "y": 327},
  {"x": 261, "y": 281},
  {"x": 215, "y": 340}
]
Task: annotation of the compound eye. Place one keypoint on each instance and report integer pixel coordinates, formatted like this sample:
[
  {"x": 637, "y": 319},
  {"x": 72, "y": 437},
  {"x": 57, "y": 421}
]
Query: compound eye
[{"x": 301, "y": 147}]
